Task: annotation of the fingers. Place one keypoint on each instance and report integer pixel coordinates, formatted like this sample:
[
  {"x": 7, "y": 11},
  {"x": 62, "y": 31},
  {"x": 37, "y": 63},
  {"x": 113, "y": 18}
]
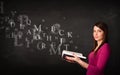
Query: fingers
[
  {"x": 75, "y": 55},
  {"x": 75, "y": 58},
  {"x": 70, "y": 61},
  {"x": 69, "y": 58}
]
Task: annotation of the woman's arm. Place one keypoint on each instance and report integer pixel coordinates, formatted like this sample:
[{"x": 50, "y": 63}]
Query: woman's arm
[{"x": 78, "y": 60}]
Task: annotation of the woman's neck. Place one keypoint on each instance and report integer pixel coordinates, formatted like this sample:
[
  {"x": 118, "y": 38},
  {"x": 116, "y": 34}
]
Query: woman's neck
[{"x": 98, "y": 44}]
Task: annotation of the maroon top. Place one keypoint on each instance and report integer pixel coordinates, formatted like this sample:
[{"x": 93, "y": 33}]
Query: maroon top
[{"x": 97, "y": 62}]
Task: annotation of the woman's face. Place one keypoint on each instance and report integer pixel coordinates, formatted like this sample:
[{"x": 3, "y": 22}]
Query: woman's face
[{"x": 98, "y": 34}]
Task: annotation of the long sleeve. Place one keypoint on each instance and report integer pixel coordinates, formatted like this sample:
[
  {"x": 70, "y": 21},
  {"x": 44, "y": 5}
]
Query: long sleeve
[{"x": 97, "y": 63}]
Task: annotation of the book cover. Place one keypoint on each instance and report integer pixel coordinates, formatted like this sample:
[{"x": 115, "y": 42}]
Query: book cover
[{"x": 70, "y": 53}]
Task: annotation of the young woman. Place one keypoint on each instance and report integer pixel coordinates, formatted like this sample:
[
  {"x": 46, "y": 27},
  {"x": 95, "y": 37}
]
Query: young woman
[{"x": 98, "y": 57}]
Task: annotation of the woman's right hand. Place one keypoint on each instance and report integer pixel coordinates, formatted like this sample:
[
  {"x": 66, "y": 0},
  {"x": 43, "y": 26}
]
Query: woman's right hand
[
  {"x": 69, "y": 59},
  {"x": 73, "y": 59}
]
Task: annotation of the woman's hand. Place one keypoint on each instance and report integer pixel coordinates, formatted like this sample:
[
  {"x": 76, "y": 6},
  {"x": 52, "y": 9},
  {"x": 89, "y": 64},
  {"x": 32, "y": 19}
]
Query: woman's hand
[
  {"x": 73, "y": 59},
  {"x": 76, "y": 59}
]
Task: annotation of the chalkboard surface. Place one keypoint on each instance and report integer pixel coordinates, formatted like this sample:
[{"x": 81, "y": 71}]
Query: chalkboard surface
[{"x": 33, "y": 34}]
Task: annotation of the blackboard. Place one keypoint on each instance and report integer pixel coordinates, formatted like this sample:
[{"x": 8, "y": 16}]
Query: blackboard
[{"x": 34, "y": 33}]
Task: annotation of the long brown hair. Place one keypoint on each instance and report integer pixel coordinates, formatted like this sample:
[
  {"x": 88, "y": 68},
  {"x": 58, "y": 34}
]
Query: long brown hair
[{"x": 103, "y": 26}]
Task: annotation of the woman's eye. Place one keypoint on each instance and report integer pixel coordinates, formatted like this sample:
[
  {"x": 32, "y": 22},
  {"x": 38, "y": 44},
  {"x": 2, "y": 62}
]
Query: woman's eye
[
  {"x": 99, "y": 30},
  {"x": 94, "y": 31}
]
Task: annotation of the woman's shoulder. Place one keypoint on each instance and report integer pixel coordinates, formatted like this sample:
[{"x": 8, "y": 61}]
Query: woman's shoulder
[{"x": 105, "y": 46}]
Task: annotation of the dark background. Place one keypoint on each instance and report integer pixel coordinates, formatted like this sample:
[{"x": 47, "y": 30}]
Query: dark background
[{"x": 74, "y": 16}]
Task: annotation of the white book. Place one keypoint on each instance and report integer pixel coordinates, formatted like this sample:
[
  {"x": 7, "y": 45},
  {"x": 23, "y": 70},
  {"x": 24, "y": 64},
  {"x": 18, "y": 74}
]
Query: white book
[{"x": 70, "y": 53}]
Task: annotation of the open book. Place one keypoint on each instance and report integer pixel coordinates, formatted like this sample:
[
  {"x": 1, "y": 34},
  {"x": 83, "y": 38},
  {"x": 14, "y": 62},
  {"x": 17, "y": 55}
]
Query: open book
[{"x": 70, "y": 53}]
